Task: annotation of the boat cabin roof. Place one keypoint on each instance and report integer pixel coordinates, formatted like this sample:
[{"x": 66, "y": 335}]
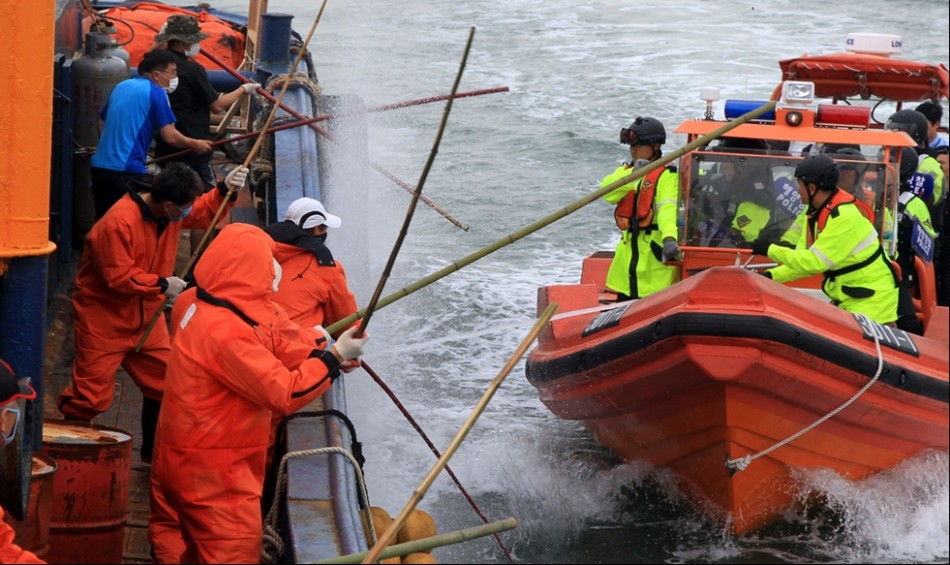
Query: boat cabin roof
[
  {"x": 779, "y": 132},
  {"x": 864, "y": 75}
]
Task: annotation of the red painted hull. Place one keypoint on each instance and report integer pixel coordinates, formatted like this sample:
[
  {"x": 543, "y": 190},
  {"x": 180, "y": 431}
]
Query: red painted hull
[{"x": 726, "y": 364}]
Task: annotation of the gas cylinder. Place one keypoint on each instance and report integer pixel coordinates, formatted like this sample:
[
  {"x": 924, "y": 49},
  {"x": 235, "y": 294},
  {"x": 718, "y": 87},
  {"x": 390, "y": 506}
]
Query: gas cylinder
[
  {"x": 95, "y": 74},
  {"x": 115, "y": 48}
]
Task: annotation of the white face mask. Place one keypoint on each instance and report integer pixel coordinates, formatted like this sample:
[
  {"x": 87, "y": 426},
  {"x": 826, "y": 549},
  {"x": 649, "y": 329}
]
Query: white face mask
[
  {"x": 172, "y": 85},
  {"x": 278, "y": 272},
  {"x": 193, "y": 50},
  {"x": 640, "y": 163}
]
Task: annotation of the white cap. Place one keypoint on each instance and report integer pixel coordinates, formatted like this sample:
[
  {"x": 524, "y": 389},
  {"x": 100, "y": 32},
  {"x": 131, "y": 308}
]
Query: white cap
[{"x": 309, "y": 213}]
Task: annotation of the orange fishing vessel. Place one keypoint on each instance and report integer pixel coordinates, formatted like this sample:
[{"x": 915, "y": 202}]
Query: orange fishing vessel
[{"x": 730, "y": 380}]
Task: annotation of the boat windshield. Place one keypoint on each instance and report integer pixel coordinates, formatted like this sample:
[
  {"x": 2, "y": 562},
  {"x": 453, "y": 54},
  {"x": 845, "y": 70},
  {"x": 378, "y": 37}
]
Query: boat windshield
[{"x": 732, "y": 196}]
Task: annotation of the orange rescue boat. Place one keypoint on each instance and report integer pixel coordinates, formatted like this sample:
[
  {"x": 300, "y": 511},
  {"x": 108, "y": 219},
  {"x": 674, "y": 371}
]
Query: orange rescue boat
[{"x": 730, "y": 380}]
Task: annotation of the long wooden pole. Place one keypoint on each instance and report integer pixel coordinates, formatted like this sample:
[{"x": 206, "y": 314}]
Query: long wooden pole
[
  {"x": 323, "y": 118},
  {"x": 327, "y": 135},
  {"x": 412, "y": 421},
  {"x": 425, "y": 544},
  {"x": 420, "y": 491},
  {"x": 415, "y": 195},
  {"x": 247, "y": 161},
  {"x": 547, "y": 220}
]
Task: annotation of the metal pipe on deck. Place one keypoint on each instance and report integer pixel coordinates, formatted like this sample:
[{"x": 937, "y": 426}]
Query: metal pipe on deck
[{"x": 26, "y": 80}]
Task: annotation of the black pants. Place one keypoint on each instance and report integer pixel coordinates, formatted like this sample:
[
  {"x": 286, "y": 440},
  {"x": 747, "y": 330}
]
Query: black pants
[
  {"x": 150, "y": 409},
  {"x": 109, "y": 186}
]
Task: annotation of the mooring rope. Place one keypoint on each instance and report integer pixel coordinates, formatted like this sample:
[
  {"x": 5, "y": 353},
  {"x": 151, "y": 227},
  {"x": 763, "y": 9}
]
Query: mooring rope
[
  {"x": 272, "y": 546},
  {"x": 741, "y": 463}
]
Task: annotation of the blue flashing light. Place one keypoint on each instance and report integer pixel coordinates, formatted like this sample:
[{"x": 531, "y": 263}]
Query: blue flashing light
[{"x": 736, "y": 108}]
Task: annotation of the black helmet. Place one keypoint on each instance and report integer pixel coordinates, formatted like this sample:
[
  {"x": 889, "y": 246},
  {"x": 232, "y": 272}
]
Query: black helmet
[
  {"x": 912, "y": 122},
  {"x": 818, "y": 169},
  {"x": 644, "y": 131},
  {"x": 909, "y": 162},
  {"x": 848, "y": 155}
]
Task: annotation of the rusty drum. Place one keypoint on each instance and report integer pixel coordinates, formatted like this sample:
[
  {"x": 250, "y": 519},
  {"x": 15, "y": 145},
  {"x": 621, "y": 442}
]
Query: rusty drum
[
  {"x": 90, "y": 491},
  {"x": 32, "y": 533}
]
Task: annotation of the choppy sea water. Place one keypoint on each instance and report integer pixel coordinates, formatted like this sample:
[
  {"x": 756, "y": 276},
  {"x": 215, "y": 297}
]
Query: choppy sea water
[{"x": 577, "y": 72}]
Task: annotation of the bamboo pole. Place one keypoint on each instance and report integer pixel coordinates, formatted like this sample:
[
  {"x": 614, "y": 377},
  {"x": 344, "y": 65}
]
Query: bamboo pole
[
  {"x": 571, "y": 208},
  {"x": 425, "y": 544},
  {"x": 324, "y": 117},
  {"x": 420, "y": 491},
  {"x": 247, "y": 161},
  {"x": 327, "y": 135},
  {"x": 415, "y": 195},
  {"x": 435, "y": 451}
]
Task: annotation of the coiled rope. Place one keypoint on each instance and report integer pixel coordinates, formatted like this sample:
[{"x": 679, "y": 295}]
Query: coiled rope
[
  {"x": 272, "y": 546},
  {"x": 262, "y": 169},
  {"x": 740, "y": 464}
]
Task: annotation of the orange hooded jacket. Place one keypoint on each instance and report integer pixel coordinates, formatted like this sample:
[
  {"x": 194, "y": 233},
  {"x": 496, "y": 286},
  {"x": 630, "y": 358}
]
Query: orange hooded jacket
[
  {"x": 313, "y": 288},
  {"x": 117, "y": 288},
  {"x": 231, "y": 367}
]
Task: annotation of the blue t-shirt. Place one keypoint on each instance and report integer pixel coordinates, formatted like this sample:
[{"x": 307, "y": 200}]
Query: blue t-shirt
[
  {"x": 938, "y": 142},
  {"x": 135, "y": 110}
]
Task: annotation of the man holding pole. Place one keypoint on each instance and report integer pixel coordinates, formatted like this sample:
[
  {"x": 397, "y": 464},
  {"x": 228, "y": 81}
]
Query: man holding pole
[
  {"x": 232, "y": 368},
  {"x": 646, "y": 215},
  {"x": 315, "y": 291},
  {"x": 136, "y": 109},
  {"x": 195, "y": 99},
  {"x": 125, "y": 274}
]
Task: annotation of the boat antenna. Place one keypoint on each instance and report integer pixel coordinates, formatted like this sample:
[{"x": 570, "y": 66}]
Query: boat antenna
[
  {"x": 551, "y": 218},
  {"x": 418, "y": 190},
  {"x": 420, "y": 491},
  {"x": 247, "y": 161}
]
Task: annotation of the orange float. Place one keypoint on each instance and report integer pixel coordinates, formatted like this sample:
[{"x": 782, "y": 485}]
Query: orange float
[{"x": 137, "y": 25}]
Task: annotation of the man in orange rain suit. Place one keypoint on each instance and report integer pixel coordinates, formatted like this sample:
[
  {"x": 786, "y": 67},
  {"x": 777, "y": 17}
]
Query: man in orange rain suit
[
  {"x": 127, "y": 267},
  {"x": 314, "y": 290},
  {"x": 230, "y": 369}
]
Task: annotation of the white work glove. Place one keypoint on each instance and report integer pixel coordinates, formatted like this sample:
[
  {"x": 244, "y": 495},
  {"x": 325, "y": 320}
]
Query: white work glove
[
  {"x": 326, "y": 335},
  {"x": 671, "y": 251},
  {"x": 349, "y": 347},
  {"x": 250, "y": 87},
  {"x": 236, "y": 178},
  {"x": 350, "y": 365},
  {"x": 175, "y": 286}
]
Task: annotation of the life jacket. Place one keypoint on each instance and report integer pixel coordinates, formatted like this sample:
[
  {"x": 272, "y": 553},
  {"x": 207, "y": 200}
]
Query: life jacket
[
  {"x": 830, "y": 210},
  {"x": 640, "y": 200}
]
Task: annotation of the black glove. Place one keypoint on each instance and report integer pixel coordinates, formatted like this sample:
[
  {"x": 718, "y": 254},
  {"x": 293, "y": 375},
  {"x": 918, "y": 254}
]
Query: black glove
[
  {"x": 671, "y": 251},
  {"x": 761, "y": 247},
  {"x": 766, "y": 274}
]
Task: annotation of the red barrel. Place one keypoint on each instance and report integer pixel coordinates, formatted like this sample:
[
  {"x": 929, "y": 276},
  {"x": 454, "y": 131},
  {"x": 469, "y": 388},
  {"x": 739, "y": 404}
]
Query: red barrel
[
  {"x": 90, "y": 491},
  {"x": 32, "y": 533}
]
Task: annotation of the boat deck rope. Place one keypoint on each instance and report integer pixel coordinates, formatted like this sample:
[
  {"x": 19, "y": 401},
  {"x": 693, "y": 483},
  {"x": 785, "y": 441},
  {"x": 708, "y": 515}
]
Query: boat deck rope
[
  {"x": 740, "y": 464},
  {"x": 272, "y": 546}
]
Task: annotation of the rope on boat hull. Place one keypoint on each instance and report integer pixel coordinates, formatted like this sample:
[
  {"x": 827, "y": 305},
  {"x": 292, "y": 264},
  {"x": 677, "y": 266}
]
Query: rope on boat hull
[{"x": 740, "y": 464}]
